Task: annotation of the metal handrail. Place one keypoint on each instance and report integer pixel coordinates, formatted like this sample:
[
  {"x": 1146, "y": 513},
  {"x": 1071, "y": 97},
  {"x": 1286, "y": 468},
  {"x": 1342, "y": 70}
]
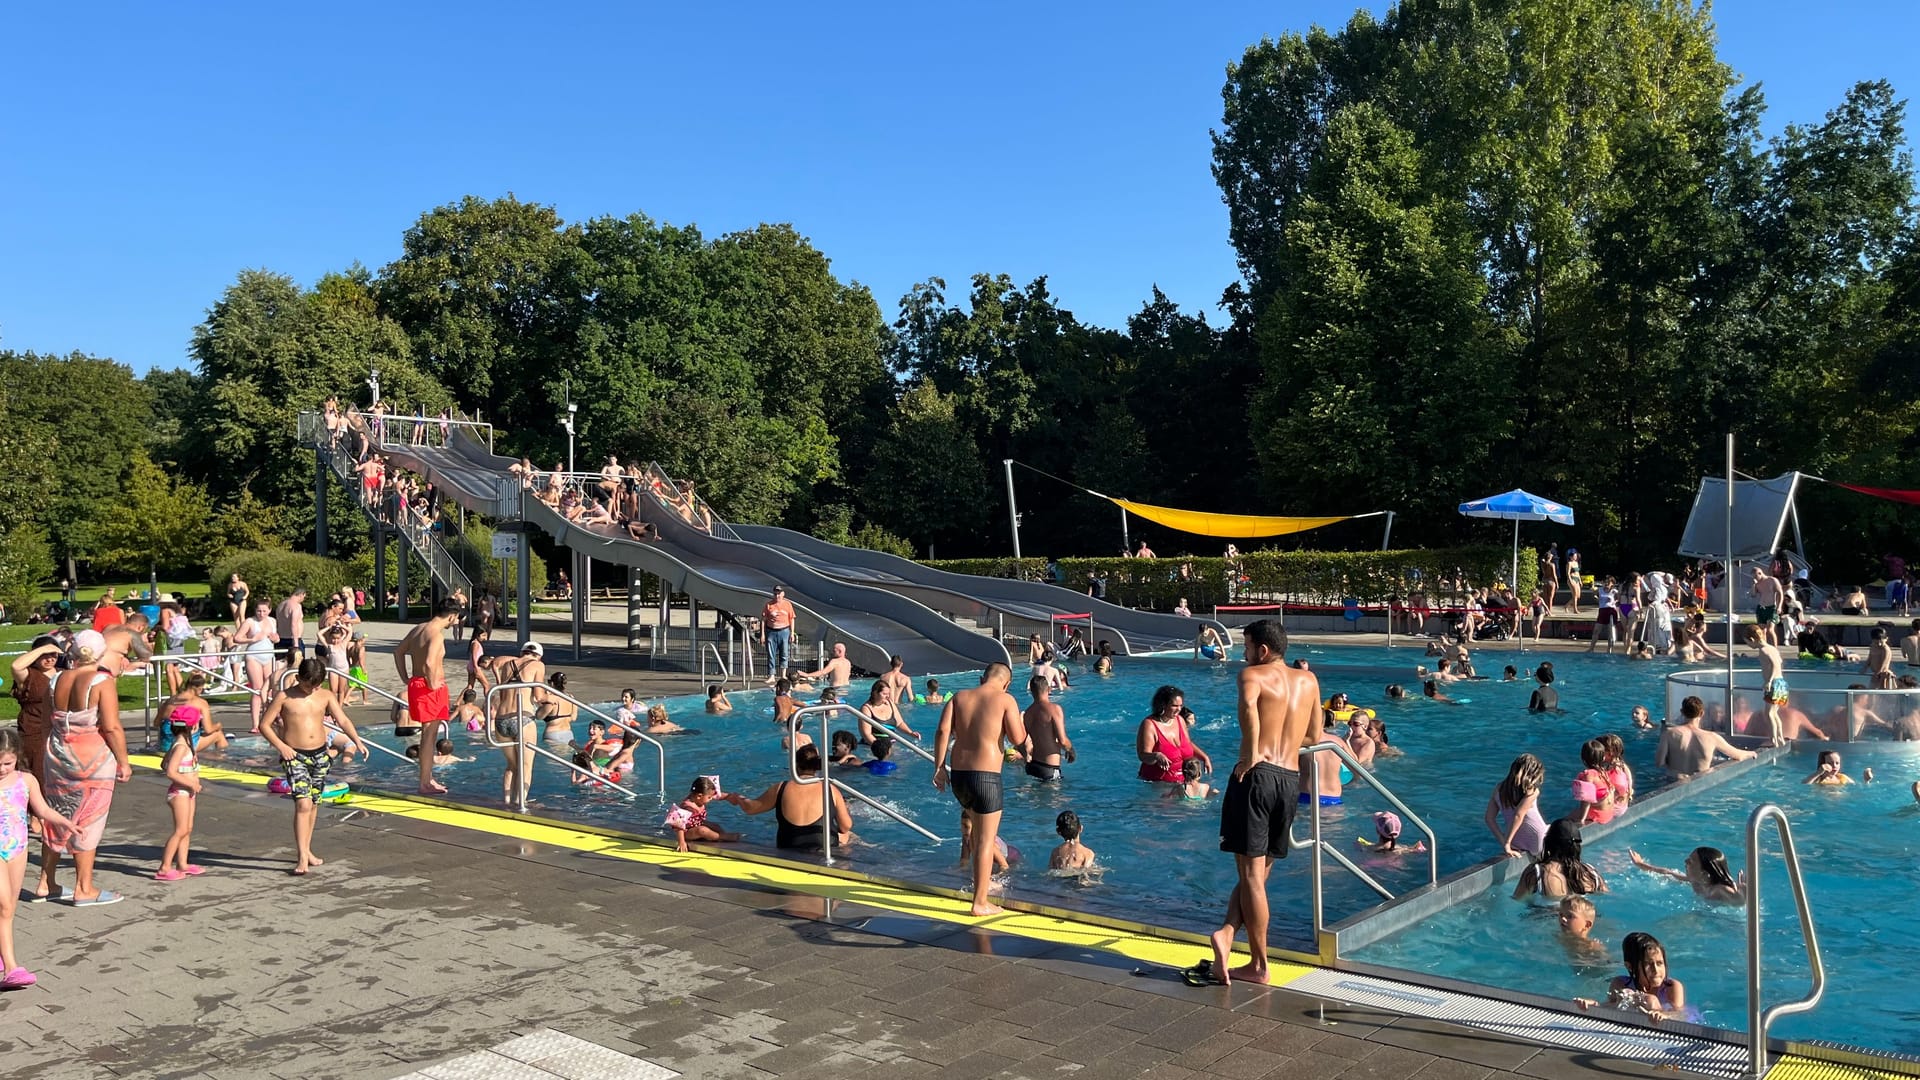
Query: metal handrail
[
  {"x": 898, "y": 739},
  {"x": 715, "y": 524},
  {"x": 387, "y": 750},
  {"x": 613, "y": 723},
  {"x": 1324, "y": 941},
  {"x": 440, "y": 562},
  {"x": 1758, "y": 1018},
  {"x": 799, "y": 718},
  {"x": 726, "y": 676}
]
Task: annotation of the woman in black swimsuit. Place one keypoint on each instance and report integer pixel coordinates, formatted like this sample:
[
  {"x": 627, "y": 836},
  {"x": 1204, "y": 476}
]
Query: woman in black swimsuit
[{"x": 797, "y": 807}]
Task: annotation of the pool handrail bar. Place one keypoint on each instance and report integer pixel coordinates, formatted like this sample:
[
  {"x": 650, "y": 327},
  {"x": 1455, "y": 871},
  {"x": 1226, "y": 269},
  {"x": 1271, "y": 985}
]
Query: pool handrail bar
[
  {"x": 519, "y": 797},
  {"x": 797, "y": 721},
  {"x": 1325, "y": 942},
  {"x": 708, "y": 647},
  {"x": 1758, "y": 1017},
  {"x": 389, "y": 751}
]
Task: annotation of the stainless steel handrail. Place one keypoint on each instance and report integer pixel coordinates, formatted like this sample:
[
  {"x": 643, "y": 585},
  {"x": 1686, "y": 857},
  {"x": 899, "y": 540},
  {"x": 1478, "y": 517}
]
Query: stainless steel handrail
[
  {"x": 439, "y": 561},
  {"x": 726, "y": 676},
  {"x": 613, "y": 723},
  {"x": 1758, "y": 1018},
  {"x": 797, "y": 720},
  {"x": 898, "y": 739},
  {"x": 387, "y": 750},
  {"x": 1323, "y": 941}
]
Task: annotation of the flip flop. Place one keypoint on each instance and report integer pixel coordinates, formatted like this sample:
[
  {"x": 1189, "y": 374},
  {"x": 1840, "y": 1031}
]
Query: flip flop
[
  {"x": 57, "y": 894},
  {"x": 107, "y": 896},
  {"x": 195, "y": 870}
]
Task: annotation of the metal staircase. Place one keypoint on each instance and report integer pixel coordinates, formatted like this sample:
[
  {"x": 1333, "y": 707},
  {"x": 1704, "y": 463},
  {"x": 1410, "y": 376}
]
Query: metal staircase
[{"x": 419, "y": 540}]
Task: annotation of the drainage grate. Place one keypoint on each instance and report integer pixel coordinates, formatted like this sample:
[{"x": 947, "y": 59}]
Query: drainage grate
[{"x": 1588, "y": 1034}]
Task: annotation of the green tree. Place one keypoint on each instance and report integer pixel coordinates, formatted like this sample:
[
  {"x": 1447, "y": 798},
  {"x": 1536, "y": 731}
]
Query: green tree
[
  {"x": 927, "y": 482},
  {"x": 95, "y": 417},
  {"x": 158, "y": 523}
]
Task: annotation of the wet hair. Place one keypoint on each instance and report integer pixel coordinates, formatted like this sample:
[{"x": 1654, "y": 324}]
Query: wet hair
[
  {"x": 628, "y": 693},
  {"x": 558, "y": 680},
  {"x": 715, "y": 691},
  {"x": 882, "y": 747},
  {"x": 413, "y": 751},
  {"x": 1511, "y": 672},
  {"x": 1395, "y": 690},
  {"x": 1067, "y": 825},
  {"x": 596, "y": 722},
  {"x": 1037, "y": 685},
  {"x": 1544, "y": 673},
  {"x": 1579, "y": 904},
  {"x": 1713, "y": 863},
  {"x": 1879, "y": 634},
  {"x": 1562, "y": 847},
  {"x": 1616, "y": 748},
  {"x": 1190, "y": 769},
  {"x": 933, "y": 685},
  {"x": 1692, "y": 708},
  {"x": 1635, "y": 949},
  {"x": 1830, "y": 757},
  {"x": 874, "y": 693},
  {"x": 703, "y": 785},
  {"x": 656, "y": 714},
  {"x": 1524, "y": 777},
  {"x": 469, "y": 696},
  {"x": 312, "y": 672},
  {"x": 806, "y": 758},
  {"x": 1593, "y": 753},
  {"x": 782, "y": 687},
  {"x": 1429, "y": 687},
  {"x": 1267, "y": 632},
  {"x": 1163, "y": 697},
  {"x": 844, "y": 742}
]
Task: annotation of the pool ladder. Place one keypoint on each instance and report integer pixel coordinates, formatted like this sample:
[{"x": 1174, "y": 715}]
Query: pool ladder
[
  {"x": 825, "y": 745},
  {"x": 1326, "y": 943},
  {"x": 1759, "y": 1018},
  {"x": 519, "y": 793}
]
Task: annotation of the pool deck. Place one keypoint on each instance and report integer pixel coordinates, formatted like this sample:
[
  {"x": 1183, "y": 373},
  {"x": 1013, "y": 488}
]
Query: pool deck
[{"x": 422, "y": 944}]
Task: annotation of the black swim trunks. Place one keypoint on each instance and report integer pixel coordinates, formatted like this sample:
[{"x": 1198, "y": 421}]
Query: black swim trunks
[
  {"x": 1257, "y": 811},
  {"x": 307, "y": 772},
  {"x": 1040, "y": 771},
  {"x": 977, "y": 792}
]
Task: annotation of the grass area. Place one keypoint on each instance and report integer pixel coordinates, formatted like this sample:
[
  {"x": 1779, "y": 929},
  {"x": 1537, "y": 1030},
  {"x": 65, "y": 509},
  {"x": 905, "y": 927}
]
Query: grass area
[
  {"x": 86, "y": 595},
  {"x": 131, "y": 703}
]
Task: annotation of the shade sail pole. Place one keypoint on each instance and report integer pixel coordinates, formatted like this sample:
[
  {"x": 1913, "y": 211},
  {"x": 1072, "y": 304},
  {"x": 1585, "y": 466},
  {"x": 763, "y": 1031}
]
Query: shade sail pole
[
  {"x": 1013, "y": 510},
  {"x": 1515, "y": 580},
  {"x": 1726, "y": 577}
]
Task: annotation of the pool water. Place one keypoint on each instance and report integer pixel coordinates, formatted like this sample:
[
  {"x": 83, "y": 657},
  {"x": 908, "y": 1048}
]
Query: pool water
[
  {"x": 1857, "y": 847},
  {"x": 1161, "y": 858}
]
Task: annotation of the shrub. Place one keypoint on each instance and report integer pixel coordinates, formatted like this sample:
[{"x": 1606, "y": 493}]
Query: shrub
[
  {"x": 273, "y": 575},
  {"x": 874, "y": 538},
  {"x": 473, "y": 553},
  {"x": 26, "y": 563}
]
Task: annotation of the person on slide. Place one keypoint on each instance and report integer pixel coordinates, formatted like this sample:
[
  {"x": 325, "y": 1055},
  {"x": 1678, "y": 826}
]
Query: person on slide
[
  {"x": 420, "y": 658},
  {"x": 1279, "y": 710}
]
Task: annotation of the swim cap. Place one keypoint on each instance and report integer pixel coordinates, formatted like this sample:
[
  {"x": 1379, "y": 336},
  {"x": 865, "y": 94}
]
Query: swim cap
[{"x": 1387, "y": 825}]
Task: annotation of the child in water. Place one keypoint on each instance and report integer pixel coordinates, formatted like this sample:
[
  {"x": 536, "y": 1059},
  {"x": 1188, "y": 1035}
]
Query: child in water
[
  {"x": 1829, "y": 770},
  {"x": 1706, "y": 872},
  {"x": 843, "y": 749},
  {"x": 1517, "y": 798},
  {"x": 934, "y": 696},
  {"x": 1190, "y": 787},
  {"x": 1646, "y": 988},
  {"x": 882, "y": 747},
  {"x": 1386, "y": 832},
  {"x": 717, "y": 702},
  {"x": 688, "y": 818},
  {"x": 1576, "y": 928},
  {"x": 1071, "y": 854}
]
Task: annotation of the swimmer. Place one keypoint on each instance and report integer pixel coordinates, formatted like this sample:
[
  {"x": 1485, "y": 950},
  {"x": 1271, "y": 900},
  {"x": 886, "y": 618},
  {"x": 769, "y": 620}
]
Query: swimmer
[
  {"x": 717, "y": 702},
  {"x": 657, "y": 722},
  {"x": 1047, "y": 740},
  {"x": 933, "y": 695},
  {"x": 1071, "y": 854},
  {"x": 1190, "y": 787},
  {"x": 1559, "y": 871},
  {"x": 842, "y": 749},
  {"x": 688, "y": 818},
  {"x": 1396, "y": 692},
  {"x": 784, "y": 704},
  {"x": 1879, "y": 662},
  {"x": 1829, "y": 772},
  {"x": 882, "y": 751},
  {"x": 1518, "y": 798},
  {"x": 1576, "y": 927},
  {"x": 1545, "y": 698},
  {"x": 837, "y": 672},
  {"x": 1511, "y": 674},
  {"x": 1211, "y": 647},
  {"x": 1433, "y": 693},
  {"x": 1386, "y": 832},
  {"x": 1646, "y": 988},
  {"x": 1706, "y": 873},
  {"x": 1642, "y": 719}
]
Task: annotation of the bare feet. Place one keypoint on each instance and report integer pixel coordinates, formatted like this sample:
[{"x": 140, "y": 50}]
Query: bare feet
[
  {"x": 314, "y": 860},
  {"x": 299, "y": 871},
  {"x": 983, "y": 910},
  {"x": 1222, "y": 954},
  {"x": 433, "y": 787},
  {"x": 1249, "y": 973}
]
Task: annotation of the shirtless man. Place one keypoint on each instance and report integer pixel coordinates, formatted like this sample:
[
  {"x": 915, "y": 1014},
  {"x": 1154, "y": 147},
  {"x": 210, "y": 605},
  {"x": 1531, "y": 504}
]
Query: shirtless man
[
  {"x": 1773, "y": 683},
  {"x": 1462, "y": 660},
  {"x": 296, "y": 724},
  {"x": 837, "y": 672},
  {"x": 975, "y": 726},
  {"x": 1279, "y": 710},
  {"x": 1045, "y": 670},
  {"x": 1910, "y": 646},
  {"x": 1686, "y": 750},
  {"x": 420, "y": 658},
  {"x": 1768, "y": 598},
  {"x": 896, "y": 678},
  {"x": 1880, "y": 660},
  {"x": 1046, "y": 725},
  {"x": 127, "y": 641},
  {"x": 290, "y": 619},
  {"x": 1036, "y": 649}
]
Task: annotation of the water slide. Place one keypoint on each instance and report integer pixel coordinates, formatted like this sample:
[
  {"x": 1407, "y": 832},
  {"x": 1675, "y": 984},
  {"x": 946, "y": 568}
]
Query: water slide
[
  {"x": 721, "y": 572},
  {"x": 1023, "y": 606}
]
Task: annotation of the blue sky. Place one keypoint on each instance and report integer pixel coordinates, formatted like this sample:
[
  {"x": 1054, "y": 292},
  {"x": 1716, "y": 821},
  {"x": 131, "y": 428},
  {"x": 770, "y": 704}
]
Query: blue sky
[{"x": 149, "y": 153}]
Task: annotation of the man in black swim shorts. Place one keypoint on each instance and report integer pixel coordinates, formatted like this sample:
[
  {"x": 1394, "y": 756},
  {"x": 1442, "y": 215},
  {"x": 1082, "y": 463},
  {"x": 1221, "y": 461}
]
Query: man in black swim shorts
[
  {"x": 975, "y": 728},
  {"x": 1280, "y": 712}
]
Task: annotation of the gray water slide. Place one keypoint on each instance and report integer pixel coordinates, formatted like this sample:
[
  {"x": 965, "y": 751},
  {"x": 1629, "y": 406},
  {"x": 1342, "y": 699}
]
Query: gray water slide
[
  {"x": 732, "y": 575},
  {"x": 1023, "y": 606}
]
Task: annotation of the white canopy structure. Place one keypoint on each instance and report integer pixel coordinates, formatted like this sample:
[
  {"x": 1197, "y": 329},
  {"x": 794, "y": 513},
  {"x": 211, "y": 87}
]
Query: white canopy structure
[{"x": 1762, "y": 510}]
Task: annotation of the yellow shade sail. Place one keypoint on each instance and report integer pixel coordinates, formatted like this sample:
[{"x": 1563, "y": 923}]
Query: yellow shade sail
[{"x": 1235, "y": 526}]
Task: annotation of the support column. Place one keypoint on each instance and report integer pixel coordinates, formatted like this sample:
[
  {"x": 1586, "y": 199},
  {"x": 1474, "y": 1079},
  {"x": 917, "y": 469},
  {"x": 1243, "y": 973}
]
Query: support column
[
  {"x": 693, "y": 634},
  {"x": 379, "y": 567},
  {"x": 579, "y": 601},
  {"x": 634, "y": 607},
  {"x": 405, "y": 557},
  {"x": 523, "y": 603},
  {"x": 663, "y": 620},
  {"x": 319, "y": 501}
]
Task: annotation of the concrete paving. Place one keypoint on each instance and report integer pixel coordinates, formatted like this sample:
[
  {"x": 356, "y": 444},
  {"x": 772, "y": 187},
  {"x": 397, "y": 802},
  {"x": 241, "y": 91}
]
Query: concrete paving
[{"x": 419, "y": 945}]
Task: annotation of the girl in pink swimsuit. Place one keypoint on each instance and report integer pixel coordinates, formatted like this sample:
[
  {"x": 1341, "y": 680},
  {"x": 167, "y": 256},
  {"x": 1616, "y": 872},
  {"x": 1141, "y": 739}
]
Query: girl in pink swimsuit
[
  {"x": 19, "y": 796},
  {"x": 184, "y": 771}
]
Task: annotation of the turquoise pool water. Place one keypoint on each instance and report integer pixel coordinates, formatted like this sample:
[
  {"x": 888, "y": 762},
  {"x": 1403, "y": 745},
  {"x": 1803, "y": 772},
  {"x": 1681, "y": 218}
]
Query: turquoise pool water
[
  {"x": 1161, "y": 858},
  {"x": 1857, "y": 848}
]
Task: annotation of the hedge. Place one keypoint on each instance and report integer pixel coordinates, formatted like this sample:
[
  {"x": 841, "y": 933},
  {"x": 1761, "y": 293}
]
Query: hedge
[
  {"x": 274, "y": 575},
  {"x": 1306, "y": 577}
]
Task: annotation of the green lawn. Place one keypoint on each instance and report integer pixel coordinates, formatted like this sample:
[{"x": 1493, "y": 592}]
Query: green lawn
[{"x": 87, "y": 594}]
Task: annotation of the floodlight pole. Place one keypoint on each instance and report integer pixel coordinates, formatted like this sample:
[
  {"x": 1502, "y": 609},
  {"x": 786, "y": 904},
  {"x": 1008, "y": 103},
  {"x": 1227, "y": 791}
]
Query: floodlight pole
[
  {"x": 1386, "y": 542},
  {"x": 1726, "y": 578},
  {"x": 1013, "y": 510},
  {"x": 1126, "y": 544}
]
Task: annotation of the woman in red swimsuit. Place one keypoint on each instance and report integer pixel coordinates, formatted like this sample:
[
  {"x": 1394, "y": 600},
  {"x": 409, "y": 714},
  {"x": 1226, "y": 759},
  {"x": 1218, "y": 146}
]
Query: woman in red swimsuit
[{"x": 1165, "y": 742}]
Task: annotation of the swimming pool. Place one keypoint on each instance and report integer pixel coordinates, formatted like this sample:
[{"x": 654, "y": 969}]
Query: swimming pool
[
  {"x": 1160, "y": 857},
  {"x": 1857, "y": 847}
]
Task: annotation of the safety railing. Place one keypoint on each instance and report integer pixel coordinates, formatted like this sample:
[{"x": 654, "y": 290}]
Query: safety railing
[
  {"x": 691, "y": 507},
  {"x": 399, "y": 431},
  {"x": 191, "y": 662},
  {"x": 1325, "y": 941},
  {"x": 288, "y": 676},
  {"x": 898, "y": 739},
  {"x": 522, "y": 744},
  {"x": 708, "y": 648},
  {"x": 440, "y": 563},
  {"x": 1760, "y": 1018},
  {"x": 799, "y": 719}
]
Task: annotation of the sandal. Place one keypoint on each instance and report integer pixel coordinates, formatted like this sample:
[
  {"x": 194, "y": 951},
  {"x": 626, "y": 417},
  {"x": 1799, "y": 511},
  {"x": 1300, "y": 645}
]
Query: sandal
[
  {"x": 194, "y": 870},
  {"x": 107, "y": 896},
  {"x": 170, "y": 874}
]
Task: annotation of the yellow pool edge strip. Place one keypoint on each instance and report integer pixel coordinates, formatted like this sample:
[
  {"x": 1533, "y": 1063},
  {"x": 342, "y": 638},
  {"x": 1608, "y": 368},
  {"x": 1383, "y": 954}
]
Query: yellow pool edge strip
[
  {"x": 1058, "y": 929},
  {"x": 1794, "y": 1067}
]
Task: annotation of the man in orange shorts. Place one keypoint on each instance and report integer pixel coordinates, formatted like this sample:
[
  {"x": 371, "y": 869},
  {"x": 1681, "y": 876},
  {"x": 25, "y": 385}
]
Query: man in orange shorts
[{"x": 420, "y": 658}]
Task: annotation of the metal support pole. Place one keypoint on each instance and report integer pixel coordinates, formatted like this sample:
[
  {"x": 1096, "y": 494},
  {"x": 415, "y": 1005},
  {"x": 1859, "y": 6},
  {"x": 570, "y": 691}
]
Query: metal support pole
[
  {"x": 633, "y": 608},
  {"x": 319, "y": 501},
  {"x": 379, "y": 567},
  {"x": 1126, "y": 543},
  {"x": 523, "y": 605},
  {"x": 1726, "y": 578},
  {"x": 662, "y": 620},
  {"x": 1386, "y": 542},
  {"x": 1013, "y": 508},
  {"x": 579, "y": 603},
  {"x": 693, "y": 629},
  {"x": 404, "y": 556}
]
